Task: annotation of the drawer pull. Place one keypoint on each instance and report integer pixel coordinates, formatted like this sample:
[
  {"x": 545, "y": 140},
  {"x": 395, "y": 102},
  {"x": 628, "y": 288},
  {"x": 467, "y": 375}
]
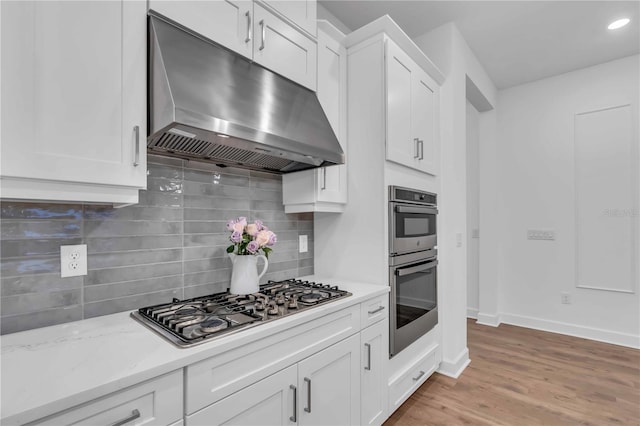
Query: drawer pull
[
  {"x": 368, "y": 346},
  {"x": 295, "y": 403},
  {"x": 134, "y": 415},
  {"x": 136, "y": 152},
  {"x": 264, "y": 34},
  {"x": 422, "y": 373},
  {"x": 248, "y": 15},
  {"x": 308, "y": 380},
  {"x": 375, "y": 311}
]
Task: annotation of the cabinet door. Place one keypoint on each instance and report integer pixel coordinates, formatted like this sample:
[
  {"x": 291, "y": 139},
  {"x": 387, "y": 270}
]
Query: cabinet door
[
  {"x": 332, "y": 94},
  {"x": 402, "y": 146},
  {"x": 375, "y": 354},
  {"x": 329, "y": 385},
  {"x": 267, "y": 402},
  {"x": 73, "y": 90},
  {"x": 424, "y": 121},
  {"x": 227, "y": 22},
  {"x": 284, "y": 50},
  {"x": 300, "y": 12}
]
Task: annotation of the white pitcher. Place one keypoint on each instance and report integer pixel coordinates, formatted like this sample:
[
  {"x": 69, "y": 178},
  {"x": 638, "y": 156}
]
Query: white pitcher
[{"x": 244, "y": 275}]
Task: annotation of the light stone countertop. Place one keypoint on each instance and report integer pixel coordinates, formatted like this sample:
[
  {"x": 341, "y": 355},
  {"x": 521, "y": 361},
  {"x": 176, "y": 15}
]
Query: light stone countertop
[{"x": 50, "y": 369}]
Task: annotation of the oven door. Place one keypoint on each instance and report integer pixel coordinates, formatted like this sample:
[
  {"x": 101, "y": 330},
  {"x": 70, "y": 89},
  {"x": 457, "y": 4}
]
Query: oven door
[
  {"x": 414, "y": 303},
  {"x": 412, "y": 228}
]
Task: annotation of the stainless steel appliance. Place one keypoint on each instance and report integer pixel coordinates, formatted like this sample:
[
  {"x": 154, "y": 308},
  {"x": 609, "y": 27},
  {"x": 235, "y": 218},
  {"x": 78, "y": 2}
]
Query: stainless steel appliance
[
  {"x": 209, "y": 103},
  {"x": 191, "y": 322},
  {"x": 413, "y": 264},
  {"x": 412, "y": 220}
]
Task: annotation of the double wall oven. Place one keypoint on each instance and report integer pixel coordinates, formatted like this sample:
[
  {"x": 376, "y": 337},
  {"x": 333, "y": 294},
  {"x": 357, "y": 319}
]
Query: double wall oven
[{"x": 412, "y": 266}]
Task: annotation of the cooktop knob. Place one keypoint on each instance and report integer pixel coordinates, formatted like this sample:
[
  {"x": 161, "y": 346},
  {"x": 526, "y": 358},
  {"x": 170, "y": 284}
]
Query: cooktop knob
[
  {"x": 273, "y": 309},
  {"x": 280, "y": 300},
  {"x": 259, "y": 306},
  {"x": 293, "y": 303}
]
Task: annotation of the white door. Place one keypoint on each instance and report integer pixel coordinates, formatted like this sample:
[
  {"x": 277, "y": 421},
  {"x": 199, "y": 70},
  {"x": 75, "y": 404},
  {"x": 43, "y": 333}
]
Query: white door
[
  {"x": 402, "y": 143},
  {"x": 73, "y": 91},
  {"x": 424, "y": 110},
  {"x": 228, "y": 22},
  {"x": 375, "y": 352},
  {"x": 267, "y": 402},
  {"x": 329, "y": 385},
  {"x": 283, "y": 49},
  {"x": 332, "y": 94}
]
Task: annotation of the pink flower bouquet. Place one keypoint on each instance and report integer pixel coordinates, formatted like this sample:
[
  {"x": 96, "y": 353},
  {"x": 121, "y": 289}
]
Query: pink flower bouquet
[{"x": 250, "y": 238}]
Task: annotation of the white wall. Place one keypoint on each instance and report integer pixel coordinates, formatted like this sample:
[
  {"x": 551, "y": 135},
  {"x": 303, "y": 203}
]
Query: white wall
[
  {"x": 535, "y": 156},
  {"x": 446, "y": 47},
  {"x": 473, "y": 210}
]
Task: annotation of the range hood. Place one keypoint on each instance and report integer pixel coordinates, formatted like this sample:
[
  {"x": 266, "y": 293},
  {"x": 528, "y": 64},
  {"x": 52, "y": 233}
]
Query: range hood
[{"x": 209, "y": 103}]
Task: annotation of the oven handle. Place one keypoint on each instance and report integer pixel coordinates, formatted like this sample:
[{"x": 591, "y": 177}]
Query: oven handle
[
  {"x": 413, "y": 269},
  {"x": 416, "y": 209}
]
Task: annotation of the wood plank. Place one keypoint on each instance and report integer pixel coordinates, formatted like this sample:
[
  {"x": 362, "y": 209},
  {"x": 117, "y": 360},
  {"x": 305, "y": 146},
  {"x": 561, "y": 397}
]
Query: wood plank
[{"x": 520, "y": 376}]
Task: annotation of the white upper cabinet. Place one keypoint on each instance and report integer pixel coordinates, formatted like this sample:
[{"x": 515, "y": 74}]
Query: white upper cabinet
[
  {"x": 300, "y": 12},
  {"x": 74, "y": 101},
  {"x": 324, "y": 189},
  {"x": 412, "y": 112},
  {"x": 228, "y": 22},
  {"x": 278, "y": 35}
]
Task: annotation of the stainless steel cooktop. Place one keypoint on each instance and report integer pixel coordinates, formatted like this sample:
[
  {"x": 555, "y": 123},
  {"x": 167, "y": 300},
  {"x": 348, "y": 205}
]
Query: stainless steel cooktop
[{"x": 194, "y": 321}]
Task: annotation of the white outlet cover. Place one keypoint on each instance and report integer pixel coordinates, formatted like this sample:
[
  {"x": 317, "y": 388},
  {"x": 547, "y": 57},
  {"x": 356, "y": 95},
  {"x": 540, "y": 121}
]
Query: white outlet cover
[
  {"x": 303, "y": 243},
  {"x": 73, "y": 260}
]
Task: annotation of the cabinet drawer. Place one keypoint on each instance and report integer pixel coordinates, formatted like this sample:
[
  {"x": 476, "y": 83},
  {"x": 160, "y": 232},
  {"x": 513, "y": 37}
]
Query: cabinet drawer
[
  {"x": 374, "y": 310},
  {"x": 213, "y": 379},
  {"x": 157, "y": 401},
  {"x": 403, "y": 385}
]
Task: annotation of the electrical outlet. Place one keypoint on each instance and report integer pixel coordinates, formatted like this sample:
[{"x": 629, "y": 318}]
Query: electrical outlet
[
  {"x": 73, "y": 260},
  {"x": 303, "y": 244},
  {"x": 565, "y": 298},
  {"x": 541, "y": 234}
]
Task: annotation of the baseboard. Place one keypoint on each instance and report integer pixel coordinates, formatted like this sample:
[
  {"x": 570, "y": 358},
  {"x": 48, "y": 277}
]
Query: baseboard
[
  {"x": 472, "y": 313},
  {"x": 487, "y": 319},
  {"x": 607, "y": 336},
  {"x": 454, "y": 369}
]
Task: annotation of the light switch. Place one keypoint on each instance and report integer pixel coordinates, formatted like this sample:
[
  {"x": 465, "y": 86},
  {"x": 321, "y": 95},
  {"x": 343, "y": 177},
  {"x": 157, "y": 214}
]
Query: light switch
[{"x": 303, "y": 244}]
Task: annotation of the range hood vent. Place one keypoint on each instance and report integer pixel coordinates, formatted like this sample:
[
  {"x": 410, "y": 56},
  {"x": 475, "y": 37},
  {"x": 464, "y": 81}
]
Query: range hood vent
[{"x": 211, "y": 104}]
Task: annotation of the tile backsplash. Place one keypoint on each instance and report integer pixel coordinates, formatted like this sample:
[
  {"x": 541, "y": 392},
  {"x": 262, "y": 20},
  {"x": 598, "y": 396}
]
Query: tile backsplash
[{"x": 171, "y": 244}]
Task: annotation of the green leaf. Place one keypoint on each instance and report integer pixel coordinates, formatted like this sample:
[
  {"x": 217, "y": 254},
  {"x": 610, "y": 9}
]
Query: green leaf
[
  {"x": 230, "y": 248},
  {"x": 266, "y": 251}
]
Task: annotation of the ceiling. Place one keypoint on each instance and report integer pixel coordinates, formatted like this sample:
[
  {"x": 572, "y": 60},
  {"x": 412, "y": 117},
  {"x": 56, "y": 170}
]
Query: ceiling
[{"x": 516, "y": 41}]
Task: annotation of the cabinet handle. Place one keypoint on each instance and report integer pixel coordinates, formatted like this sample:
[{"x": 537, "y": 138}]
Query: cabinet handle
[
  {"x": 248, "y": 15},
  {"x": 421, "y": 144},
  {"x": 324, "y": 179},
  {"x": 136, "y": 159},
  {"x": 134, "y": 415},
  {"x": 375, "y": 311},
  {"x": 368, "y": 346},
  {"x": 294, "y": 418},
  {"x": 308, "y": 380},
  {"x": 417, "y": 145},
  {"x": 264, "y": 34},
  {"x": 415, "y": 379}
]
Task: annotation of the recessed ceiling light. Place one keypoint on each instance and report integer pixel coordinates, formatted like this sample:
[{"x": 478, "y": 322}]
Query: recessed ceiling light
[{"x": 618, "y": 24}]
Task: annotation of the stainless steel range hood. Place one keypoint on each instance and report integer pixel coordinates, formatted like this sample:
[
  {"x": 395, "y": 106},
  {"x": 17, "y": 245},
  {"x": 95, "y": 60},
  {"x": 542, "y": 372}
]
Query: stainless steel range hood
[{"x": 208, "y": 103}]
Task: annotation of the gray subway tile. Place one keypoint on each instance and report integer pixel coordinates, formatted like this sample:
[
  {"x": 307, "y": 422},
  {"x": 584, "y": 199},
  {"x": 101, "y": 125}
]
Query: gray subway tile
[
  {"x": 163, "y": 214},
  {"x": 110, "y": 244},
  {"x": 94, "y": 293},
  {"x": 269, "y": 216},
  {"x": 211, "y": 264},
  {"x": 195, "y": 227},
  {"x": 305, "y": 225},
  {"x": 29, "y": 265},
  {"x": 215, "y": 190},
  {"x": 165, "y": 185},
  {"x": 157, "y": 170},
  {"x": 305, "y": 271},
  {"x": 207, "y": 277},
  {"x": 277, "y": 226},
  {"x": 205, "y": 290},
  {"x": 32, "y": 229},
  {"x": 34, "y": 302},
  {"x": 94, "y": 228},
  {"x": 153, "y": 198},
  {"x": 214, "y": 214},
  {"x": 175, "y": 164},
  {"x": 142, "y": 257},
  {"x": 266, "y": 195},
  {"x": 129, "y": 303},
  {"x": 31, "y": 320},
  {"x": 305, "y": 263},
  {"x": 266, "y": 205},
  {"x": 279, "y": 275},
  {"x": 287, "y": 236},
  {"x": 204, "y": 252},
  {"x": 202, "y": 166},
  {"x": 199, "y": 202},
  {"x": 21, "y": 248},
  {"x": 282, "y": 266},
  {"x": 132, "y": 273},
  {"x": 40, "y": 211},
  {"x": 192, "y": 240},
  {"x": 38, "y": 283}
]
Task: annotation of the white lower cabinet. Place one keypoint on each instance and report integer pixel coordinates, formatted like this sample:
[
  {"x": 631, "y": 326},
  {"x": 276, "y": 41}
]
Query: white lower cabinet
[
  {"x": 375, "y": 354},
  {"x": 268, "y": 402},
  {"x": 402, "y": 385},
  {"x": 157, "y": 401},
  {"x": 323, "y": 389}
]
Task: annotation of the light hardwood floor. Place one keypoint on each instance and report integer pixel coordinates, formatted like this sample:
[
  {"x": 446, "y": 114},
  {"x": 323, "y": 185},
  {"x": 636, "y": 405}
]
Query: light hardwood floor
[{"x": 522, "y": 377}]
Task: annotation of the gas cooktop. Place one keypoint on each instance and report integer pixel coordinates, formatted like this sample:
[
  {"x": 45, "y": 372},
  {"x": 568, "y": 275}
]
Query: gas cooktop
[{"x": 194, "y": 321}]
